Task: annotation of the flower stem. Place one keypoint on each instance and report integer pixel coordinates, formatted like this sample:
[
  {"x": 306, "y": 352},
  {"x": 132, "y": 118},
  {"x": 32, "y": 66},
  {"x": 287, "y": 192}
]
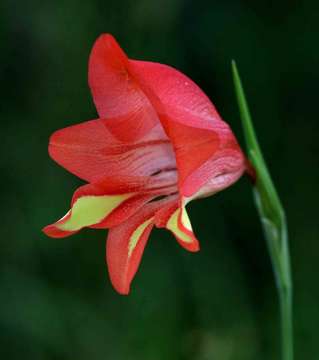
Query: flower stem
[
  {"x": 285, "y": 300},
  {"x": 273, "y": 220},
  {"x": 286, "y": 320}
]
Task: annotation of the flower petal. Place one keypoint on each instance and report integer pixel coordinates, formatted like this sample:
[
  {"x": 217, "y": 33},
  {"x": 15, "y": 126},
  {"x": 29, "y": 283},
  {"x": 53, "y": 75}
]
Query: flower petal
[
  {"x": 176, "y": 92},
  {"x": 111, "y": 201},
  {"x": 108, "y": 203},
  {"x": 125, "y": 245},
  {"x": 218, "y": 163},
  {"x": 174, "y": 217},
  {"x": 86, "y": 211},
  {"x": 90, "y": 151},
  {"x": 193, "y": 126},
  {"x": 54, "y": 230},
  {"x": 125, "y": 210},
  {"x": 116, "y": 94}
]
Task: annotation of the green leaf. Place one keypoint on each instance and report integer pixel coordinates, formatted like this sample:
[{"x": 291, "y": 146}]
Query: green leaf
[
  {"x": 268, "y": 204},
  {"x": 272, "y": 217}
]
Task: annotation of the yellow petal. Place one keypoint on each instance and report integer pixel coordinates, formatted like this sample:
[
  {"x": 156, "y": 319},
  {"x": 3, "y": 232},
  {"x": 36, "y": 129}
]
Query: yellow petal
[
  {"x": 136, "y": 236},
  {"x": 90, "y": 210},
  {"x": 173, "y": 225}
]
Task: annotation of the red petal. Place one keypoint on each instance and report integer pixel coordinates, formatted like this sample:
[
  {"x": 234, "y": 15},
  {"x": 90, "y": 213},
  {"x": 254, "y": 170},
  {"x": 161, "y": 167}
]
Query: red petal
[
  {"x": 217, "y": 164},
  {"x": 110, "y": 202},
  {"x": 176, "y": 92},
  {"x": 173, "y": 216},
  {"x": 116, "y": 94},
  {"x": 194, "y": 127},
  {"x": 55, "y": 232},
  {"x": 91, "y": 152},
  {"x": 101, "y": 205},
  {"x": 125, "y": 245}
]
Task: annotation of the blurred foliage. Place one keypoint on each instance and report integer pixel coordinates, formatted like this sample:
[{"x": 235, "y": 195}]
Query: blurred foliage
[{"x": 56, "y": 300}]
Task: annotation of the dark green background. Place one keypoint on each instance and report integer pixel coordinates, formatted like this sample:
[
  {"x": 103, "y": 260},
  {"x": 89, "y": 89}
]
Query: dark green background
[{"x": 220, "y": 304}]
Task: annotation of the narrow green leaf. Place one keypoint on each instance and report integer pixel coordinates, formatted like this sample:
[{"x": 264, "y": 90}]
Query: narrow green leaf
[
  {"x": 272, "y": 218},
  {"x": 270, "y": 205}
]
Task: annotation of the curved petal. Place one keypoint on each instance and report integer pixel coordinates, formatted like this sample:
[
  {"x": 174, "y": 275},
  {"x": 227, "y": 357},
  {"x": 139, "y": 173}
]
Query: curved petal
[
  {"x": 157, "y": 187},
  {"x": 90, "y": 151},
  {"x": 54, "y": 231},
  {"x": 107, "y": 203},
  {"x": 218, "y": 163},
  {"x": 125, "y": 245},
  {"x": 116, "y": 94},
  {"x": 176, "y": 92},
  {"x": 173, "y": 216},
  {"x": 193, "y": 126},
  {"x": 110, "y": 202},
  {"x": 86, "y": 211}
]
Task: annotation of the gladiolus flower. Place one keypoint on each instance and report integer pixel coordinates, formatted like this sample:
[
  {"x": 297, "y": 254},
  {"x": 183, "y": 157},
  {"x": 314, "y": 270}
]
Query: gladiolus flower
[{"x": 157, "y": 144}]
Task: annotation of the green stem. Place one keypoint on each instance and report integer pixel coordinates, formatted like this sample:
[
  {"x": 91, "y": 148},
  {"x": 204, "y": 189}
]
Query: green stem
[
  {"x": 285, "y": 298},
  {"x": 273, "y": 221},
  {"x": 286, "y": 324}
]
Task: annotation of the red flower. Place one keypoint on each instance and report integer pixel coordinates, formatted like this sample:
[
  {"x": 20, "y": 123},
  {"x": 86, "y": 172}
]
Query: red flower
[{"x": 158, "y": 144}]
